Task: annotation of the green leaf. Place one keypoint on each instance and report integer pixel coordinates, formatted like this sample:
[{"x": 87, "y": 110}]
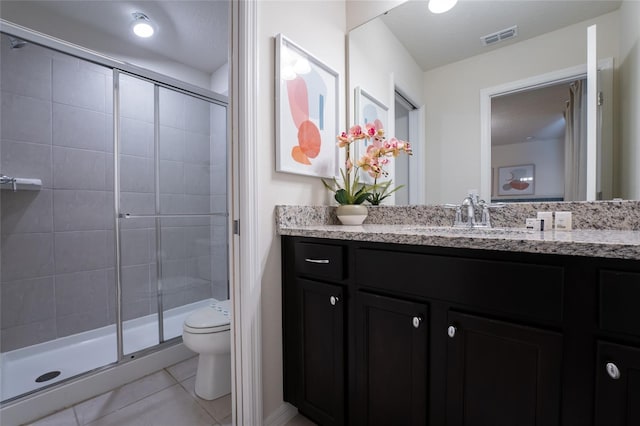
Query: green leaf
[
  {"x": 342, "y": 197},
  {"x": 329, "y": 187},
  {"x": 361, "y": 197},
  {"x": 380, "y": 191}
]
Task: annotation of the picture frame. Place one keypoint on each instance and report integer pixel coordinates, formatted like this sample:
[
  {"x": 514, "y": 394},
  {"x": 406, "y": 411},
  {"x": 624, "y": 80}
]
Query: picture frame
[
  {"x": 307, "y": 112},
  {"x": 516, "y": 180},
  {"x": 368, "y": 109}
]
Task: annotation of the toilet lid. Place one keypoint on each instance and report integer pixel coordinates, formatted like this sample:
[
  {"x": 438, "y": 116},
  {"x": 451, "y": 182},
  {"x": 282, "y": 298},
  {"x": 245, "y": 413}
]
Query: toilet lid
[{"x": 214, "y": 318}]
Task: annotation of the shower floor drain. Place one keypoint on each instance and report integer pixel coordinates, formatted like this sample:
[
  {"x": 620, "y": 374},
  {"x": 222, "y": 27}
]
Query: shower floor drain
[{"x": 48, "y": 376}]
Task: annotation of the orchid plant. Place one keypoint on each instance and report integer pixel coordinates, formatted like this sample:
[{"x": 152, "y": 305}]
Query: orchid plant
[{"x": 377, "y": 155}]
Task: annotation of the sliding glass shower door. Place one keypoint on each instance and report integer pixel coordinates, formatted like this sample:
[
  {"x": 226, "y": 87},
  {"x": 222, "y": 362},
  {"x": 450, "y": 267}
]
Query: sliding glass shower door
[
  {"x": 172, "y": 207},
  {"x": 57, "y": 240},
  {"x": 192, "y": 206},
  {"x": 136, "y": 188}
]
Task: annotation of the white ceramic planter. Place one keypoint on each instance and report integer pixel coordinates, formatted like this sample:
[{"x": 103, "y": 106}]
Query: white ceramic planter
[{"x": 352, "y": 214}]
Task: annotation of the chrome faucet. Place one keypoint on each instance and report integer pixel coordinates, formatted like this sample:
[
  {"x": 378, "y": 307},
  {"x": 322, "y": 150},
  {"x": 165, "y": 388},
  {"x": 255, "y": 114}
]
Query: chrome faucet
[
  {"x": 471, "y": 202},
  {"x": 474, "y": 207}
]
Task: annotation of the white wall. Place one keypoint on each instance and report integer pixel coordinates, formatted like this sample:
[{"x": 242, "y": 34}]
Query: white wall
[
  {"x": 319, "y": 27},
  {"x": 629, "y": 93},
  {"x": 548, "y": 158},
  {"x": 452, "y": 95},
  {"x": 220, "y": 80},
  {"x": 379, "y": 63}
]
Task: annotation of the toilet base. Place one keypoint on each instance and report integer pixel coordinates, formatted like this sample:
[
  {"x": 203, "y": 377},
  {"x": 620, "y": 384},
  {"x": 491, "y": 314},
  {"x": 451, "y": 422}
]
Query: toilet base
[{"x": 213, "y": 376}]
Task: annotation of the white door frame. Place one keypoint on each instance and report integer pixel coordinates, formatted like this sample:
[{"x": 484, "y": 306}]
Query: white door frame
[
  {"x": 418, "y": 165},
  {"x": 246, "y": 351},
  {"x": 538, "y": 81}
]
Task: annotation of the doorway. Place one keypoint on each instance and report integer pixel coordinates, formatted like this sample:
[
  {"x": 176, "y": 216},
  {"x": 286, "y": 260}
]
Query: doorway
[
  {"x": 604, "y": 157},
  {"x": 406, "y": 129},
  {"x": 542, "y": 130},
  {"x": 118, "y": 249}
]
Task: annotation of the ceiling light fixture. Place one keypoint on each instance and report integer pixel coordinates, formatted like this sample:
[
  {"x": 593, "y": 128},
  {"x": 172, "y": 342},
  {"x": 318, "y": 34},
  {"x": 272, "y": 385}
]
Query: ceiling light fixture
[
  {"x": 142, "y": 25},
  {"x": 441, "y": 6}
]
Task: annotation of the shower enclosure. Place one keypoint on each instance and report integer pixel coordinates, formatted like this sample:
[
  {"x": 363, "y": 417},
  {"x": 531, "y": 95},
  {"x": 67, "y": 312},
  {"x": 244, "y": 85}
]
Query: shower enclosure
[{"x": 113, "y": 210}]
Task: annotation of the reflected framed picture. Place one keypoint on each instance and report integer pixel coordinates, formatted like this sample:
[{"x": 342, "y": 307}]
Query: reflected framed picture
[
  {"x": 368, "y": 110},
  {"x": 516, "y": 180},
  {"x": 306, "y": 112}
]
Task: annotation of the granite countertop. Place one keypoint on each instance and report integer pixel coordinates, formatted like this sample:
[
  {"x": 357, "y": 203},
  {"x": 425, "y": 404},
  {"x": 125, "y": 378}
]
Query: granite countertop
[
  {"x": 606, "y": 243},
  {"x": 579, "y": 242}
]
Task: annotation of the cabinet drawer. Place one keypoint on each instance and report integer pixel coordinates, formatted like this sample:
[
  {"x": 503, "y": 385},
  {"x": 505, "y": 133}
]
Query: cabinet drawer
[
  {"x": 320, "y": 260},
  {"x": 619, "y": 295},
  {"x": 527, "y": 290}
]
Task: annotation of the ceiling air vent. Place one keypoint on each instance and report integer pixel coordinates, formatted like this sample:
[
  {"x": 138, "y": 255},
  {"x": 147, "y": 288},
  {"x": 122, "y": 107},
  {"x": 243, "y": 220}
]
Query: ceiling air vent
[{"x": 498, "y": 36}]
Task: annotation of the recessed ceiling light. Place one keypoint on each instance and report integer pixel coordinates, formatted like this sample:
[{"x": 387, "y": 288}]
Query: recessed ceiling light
[
  {"x": 441, "y": 6},
  {"x": 142, "y": 25}
]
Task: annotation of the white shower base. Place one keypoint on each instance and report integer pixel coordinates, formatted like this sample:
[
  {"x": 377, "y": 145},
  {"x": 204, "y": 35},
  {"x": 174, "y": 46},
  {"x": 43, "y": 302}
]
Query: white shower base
[{"x": 82, "y": 352}]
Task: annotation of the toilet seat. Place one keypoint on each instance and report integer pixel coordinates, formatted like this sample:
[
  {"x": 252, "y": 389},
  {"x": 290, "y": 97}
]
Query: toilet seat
[{"x": 212, "y": 319}]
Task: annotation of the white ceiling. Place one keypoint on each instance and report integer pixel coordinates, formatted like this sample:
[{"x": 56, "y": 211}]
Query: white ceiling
[
  {"x": 529, "y": 116},
  {"x": 436, "y": 40},
  {"x": 194, "y": 33}
]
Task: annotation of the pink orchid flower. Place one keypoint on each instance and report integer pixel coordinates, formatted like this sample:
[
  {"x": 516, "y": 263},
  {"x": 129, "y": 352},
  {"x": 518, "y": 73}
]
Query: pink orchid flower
[
  {"x": 343, "y": 140},
  {"x": 356, "y": 132},
  {"x": 371, "y": 129}
]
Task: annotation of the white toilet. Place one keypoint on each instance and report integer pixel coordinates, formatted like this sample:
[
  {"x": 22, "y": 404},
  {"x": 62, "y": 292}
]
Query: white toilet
[{"x": 206, "y": 331}]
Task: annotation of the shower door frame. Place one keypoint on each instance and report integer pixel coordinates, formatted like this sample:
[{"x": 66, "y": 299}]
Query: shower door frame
[
  {"x": 118, "y": 214},
  {"x": 159, "y": 80}
]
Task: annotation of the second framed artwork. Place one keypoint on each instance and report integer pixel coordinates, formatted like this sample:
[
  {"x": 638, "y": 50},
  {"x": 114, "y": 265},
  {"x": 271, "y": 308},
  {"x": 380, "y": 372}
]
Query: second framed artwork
[
  {"x": 307, "y": 116},
  {"x": 516, "y": 180},
  {"x": 368, "y": 110}
]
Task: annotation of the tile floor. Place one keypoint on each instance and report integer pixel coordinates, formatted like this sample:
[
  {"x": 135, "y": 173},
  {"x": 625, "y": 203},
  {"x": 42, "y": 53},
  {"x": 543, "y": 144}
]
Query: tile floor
[{"x": 164, "y": 398}]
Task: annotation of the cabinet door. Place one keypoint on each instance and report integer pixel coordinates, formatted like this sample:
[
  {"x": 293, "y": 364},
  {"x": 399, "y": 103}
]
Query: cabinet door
[
  {"x": 617, "y": 385},
  {"x": 391, "y": 357},
  {"x": 501, "y": 374},
  {"x": 322, "y": 358}
]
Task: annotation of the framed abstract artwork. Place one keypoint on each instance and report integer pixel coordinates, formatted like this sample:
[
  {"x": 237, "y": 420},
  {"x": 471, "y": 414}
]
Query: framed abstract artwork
[
  {"x": 516, "y": 180},
  {"x": 306, "y": 112},
  {"x": 368, "y": 110}
]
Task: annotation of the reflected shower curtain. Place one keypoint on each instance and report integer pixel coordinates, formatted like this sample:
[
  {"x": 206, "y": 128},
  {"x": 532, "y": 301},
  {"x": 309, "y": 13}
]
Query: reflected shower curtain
[{"x": 575, "y": 145}]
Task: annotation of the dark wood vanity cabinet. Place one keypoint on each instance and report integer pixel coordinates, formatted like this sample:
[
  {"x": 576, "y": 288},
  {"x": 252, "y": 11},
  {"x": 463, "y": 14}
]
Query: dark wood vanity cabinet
[
  {"x": 321, "y": 382},
  {"x": 440, "y": 336},
  {"x": 499, "y": 373},
  {"x": 617, "y": 385},
  {"x": 315, "y": 332},
  {"x": 391, "y": 338},
  {"x": 618, "y": 365}
]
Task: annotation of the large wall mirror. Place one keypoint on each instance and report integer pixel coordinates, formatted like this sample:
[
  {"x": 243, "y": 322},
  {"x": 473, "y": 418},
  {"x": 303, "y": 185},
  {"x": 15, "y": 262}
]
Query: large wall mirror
[{"x": 527, "y": 61}]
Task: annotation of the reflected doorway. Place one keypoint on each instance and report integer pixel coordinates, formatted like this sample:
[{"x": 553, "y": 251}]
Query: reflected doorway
[
  {"x": 538, "y": 143},
  {"x": 404, "y": 121}
]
